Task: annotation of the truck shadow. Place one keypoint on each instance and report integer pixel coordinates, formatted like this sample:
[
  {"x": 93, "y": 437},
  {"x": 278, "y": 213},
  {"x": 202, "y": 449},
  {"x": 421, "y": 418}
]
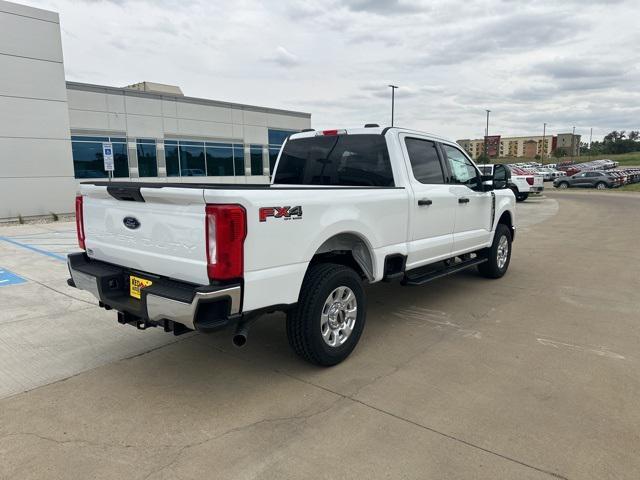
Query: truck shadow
[
  {"x": 402, "y": 323},
  {"x": 394, "y": 312}
]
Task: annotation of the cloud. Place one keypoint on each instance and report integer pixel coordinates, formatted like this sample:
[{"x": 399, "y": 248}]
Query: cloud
[
  {"x": 384, "y": 7},
  {"x": 512, "y": 33},
  {"x": 283, "y": 58}
]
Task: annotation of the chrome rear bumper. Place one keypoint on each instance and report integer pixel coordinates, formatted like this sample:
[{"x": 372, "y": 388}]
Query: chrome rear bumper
[{"x": 196, "y": 307}]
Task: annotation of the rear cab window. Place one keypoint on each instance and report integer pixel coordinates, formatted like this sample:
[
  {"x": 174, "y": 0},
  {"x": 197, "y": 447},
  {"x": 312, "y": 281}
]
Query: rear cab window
[
  {"x": 425, "y": 161},
  {"x": 360, "y": 160}
]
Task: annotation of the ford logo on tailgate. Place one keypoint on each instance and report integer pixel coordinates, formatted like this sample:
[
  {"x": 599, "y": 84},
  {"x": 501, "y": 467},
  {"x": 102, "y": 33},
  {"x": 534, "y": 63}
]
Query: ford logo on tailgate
[{"x": 131, "y": 222}]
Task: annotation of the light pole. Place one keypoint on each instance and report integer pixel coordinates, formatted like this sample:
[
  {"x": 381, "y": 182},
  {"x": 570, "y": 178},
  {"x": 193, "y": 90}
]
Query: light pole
[
  {"x": 590, "y": 139},
  {"x": 573, "y": 140},
  {"x": 486, "y": 134},
  {"x": 393, "y": 100},
  {"x": 544, "y": 134}
]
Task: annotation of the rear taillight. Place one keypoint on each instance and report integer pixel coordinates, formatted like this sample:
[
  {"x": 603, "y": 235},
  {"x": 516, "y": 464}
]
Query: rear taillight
[
  {"x": 226, "y": 229},
  {"x": 80, "y": 222},
  {"x": 530, "y": 180}
]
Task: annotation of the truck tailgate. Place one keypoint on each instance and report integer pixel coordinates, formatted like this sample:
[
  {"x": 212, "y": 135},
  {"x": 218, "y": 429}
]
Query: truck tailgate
[
  {"x": 538, "y": 180},
  {"x": 160, "y": 231}
]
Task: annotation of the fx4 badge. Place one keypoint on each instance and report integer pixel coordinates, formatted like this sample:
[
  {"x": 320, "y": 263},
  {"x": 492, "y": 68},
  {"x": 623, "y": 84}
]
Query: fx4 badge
[{"x": 286, "y": 213}]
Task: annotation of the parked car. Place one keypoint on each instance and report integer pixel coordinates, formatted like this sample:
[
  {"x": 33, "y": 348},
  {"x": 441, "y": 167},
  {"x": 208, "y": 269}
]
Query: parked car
[
  {"x": 598, "y": 180},
  {"x": 345, "y": 208}
]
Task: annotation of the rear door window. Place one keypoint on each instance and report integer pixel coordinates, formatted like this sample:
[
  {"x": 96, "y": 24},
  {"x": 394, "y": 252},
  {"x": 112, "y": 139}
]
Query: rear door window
[
  {"x": 425, "y": 162},
  {"x": 340, "y": 160}
]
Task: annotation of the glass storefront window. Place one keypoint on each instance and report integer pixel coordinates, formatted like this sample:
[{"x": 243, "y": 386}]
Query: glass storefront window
[
  {"x": 256, "y": 159},
  {"x": 238, "y": 159},
  {"x": 192, "y": 162},
  {"x": 120, "y": 160},
  {"x": 147, "y": 158},
  {"x": 172, "y": 158},
  {"x": 88, "y": 161},
  {"x": 219, "y": 160}
]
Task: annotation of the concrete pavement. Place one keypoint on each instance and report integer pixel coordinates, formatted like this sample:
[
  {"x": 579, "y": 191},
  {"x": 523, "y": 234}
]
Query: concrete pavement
[{"x": 531, "y": 376}]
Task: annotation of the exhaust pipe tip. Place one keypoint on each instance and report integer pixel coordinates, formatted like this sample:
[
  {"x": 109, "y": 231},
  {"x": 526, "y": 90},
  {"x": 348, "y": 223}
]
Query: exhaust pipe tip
[
  {"x": 241, "y": 333},
  {"x": 239, "y": 340}
]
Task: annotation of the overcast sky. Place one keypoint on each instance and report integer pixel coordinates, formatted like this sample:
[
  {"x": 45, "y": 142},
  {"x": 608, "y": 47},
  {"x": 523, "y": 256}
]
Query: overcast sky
[{"x": 562, "y": 62}]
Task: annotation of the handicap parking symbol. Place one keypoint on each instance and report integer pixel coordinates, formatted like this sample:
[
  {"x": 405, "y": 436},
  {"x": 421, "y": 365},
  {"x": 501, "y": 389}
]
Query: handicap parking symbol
[{"x": 9, "y": 278}]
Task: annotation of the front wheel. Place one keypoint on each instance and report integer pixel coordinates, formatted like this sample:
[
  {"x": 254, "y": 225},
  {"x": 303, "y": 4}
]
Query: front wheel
[
  {"x": 563, "y": 185},
  {"x": 498, "y": 255},
  {"x": 327, "y": 322}
]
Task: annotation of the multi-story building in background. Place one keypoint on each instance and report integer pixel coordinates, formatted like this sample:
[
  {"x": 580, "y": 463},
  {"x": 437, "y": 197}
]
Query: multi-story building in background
[
  {"x": 526, "y": 146},
  {"x": 52, "y": 132}
]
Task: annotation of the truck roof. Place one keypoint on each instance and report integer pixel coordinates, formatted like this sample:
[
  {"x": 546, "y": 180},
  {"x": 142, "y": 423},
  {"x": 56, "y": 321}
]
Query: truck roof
[{"x": 371, "y": 130}]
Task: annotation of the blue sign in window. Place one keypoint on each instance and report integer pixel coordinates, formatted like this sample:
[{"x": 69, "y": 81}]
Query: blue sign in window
[{"x": 9, "y": 278}]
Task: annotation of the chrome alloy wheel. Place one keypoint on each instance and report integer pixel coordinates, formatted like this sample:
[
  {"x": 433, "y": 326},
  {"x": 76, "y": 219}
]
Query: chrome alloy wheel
[
  {"x": 338, "y": 317},
  {"x": 503, "y": 252}
]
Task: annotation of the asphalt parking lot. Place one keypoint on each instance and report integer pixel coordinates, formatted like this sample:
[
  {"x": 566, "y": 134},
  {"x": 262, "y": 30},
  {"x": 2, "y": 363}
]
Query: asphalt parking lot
[{"x": 535, "y": 375}]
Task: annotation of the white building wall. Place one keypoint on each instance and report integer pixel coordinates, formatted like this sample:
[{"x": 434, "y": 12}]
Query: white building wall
[{"x": 36, "y": 172}]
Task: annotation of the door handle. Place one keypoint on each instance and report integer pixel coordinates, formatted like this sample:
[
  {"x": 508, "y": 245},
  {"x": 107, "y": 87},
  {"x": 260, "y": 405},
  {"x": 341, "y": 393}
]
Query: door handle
[
  {"x": 424, "y": 201},
  {"x": 463, "y": 200}
]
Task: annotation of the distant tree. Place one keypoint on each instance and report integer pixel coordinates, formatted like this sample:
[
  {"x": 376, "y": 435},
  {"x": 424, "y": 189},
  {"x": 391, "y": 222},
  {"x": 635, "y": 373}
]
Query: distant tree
[
  {"x": 559, "y": 153},
  {"x": 483, "y": 158},
  {"x": 615, "y": 142},
  {"x": 537, "y": 157}
]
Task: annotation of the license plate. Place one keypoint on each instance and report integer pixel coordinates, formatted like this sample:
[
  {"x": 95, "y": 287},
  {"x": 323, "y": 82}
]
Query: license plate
[{"x": 136, "y": 284}]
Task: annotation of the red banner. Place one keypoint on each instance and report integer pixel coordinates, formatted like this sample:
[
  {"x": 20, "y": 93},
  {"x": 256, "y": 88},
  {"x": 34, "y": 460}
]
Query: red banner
[{"x": 492, "y": 143}]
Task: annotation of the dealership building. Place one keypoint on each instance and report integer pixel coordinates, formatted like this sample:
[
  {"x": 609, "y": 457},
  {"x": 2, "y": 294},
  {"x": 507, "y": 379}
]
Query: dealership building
[{"x": 52, "y": 132}]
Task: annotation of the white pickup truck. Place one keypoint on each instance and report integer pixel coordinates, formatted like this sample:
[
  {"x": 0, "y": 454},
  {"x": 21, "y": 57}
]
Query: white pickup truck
[
  {"x": 345, "y": 208},
  {"x": 521, "y": 182}
]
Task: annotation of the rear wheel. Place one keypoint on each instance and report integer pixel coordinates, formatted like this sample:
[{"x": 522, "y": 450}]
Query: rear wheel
[
  {"x": 498, "y": 255},
  {"x": 601, "y": 186},
  {"x": 521, "y": 197},
  {"x": 326, "y": 325}
]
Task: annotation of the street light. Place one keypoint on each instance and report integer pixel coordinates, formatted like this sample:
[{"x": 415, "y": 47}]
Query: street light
[
  {"x": 486, "y": 134},
  {"x": 393, "y": 100}
]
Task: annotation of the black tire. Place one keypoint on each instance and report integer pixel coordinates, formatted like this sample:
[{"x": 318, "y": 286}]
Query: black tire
[
  {"x": 563, "y": 185},
  {"x": 491, "y": 268},
  {"x": 304, "y": 321},
  {"x": 601, "y": 186},
  {"x": 521, "y": 197}
]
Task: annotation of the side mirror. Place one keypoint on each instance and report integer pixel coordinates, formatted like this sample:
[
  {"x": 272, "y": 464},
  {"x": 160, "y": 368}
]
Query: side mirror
[
  {"x": 487, "y": 185},
  {"x": 501, "y": 176}
]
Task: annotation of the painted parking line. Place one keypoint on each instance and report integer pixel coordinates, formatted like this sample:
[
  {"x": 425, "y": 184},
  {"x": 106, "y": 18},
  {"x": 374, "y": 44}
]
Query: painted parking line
[
  {"x": 9, "y": 278},
  {"x": 41, "y": 251}
]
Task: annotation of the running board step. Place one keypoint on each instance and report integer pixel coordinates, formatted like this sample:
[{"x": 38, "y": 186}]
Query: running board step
[{"x": 434, "y": 275}]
